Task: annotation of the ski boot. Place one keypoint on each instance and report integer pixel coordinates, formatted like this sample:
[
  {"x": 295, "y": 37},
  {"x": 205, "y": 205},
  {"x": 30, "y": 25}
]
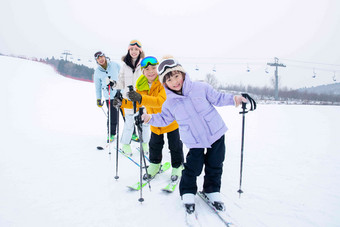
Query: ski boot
[
  {"x": 135, "y": 138},
  {"x": 216, "y": 201},
  {"x": 189, "y": 202},
  {"x": 145, "y": 148},
  {"x": 110, "y": 138},
  {"x": 127, "y": 149},
  {"x": 189, "y": 208},
  {"x": 176, "y": 173},
  {"x": 153, "y": 169}
]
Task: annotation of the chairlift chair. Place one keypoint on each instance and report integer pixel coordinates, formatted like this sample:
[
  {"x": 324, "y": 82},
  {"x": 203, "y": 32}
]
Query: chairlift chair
[
  {"x": 314, "y": 73},
  {"x": 248, "y": 69}
]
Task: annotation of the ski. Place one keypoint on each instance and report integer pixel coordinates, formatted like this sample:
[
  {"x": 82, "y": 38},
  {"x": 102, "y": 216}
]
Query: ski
[
  {"x": 138, "y": 149},
  {"x": 121, "y": 152},
  {"x": 171, "y": 186},
  {"x": 221, "y": 214},
  {"x": 127, "y": 156},
  {"x": 191, "y": 217},
  {"x": 137, "y": 186}
]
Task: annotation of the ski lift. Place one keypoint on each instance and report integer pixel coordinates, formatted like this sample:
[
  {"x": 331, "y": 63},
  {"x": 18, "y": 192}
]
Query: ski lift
[
  {"x": 266, "y": 70},
  {"x": 334, "y": 79},
  {"x": 197, "y": 69},
  {"x": 214, "y": 69},
  {"x": 314, "y": 73},
  {"x": 248, "y": 69}
]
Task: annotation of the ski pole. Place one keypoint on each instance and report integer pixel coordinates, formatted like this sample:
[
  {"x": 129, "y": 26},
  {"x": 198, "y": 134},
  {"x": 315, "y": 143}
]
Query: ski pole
[
  {"x": 103, "y": 111},
  {"x": 109, "y": 121},
  {"x": 244, "y": 107},
  {"x": 118, "y": 94},
  {"x": 134, "y": 103},
  {"x": 134, "y": 106},
  {"x": 139, "y": 123}
]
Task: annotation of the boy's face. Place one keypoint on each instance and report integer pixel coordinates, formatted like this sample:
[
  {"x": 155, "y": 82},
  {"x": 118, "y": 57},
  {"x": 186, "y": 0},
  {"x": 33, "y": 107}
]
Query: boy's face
[
  {"x": 101, "y": 60},
  {"x": 175, "y": 81},
  {"x": 150, "y": 73},
  {"x": 134, "y": 52}
]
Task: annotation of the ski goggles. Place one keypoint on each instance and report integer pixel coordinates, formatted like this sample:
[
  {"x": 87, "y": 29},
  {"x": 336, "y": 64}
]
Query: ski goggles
[
  {"x": 136, "y": 42},
  {"x": 148, "y": 61},
  {"x": 98, "y": 54},
  {"x": 168, "y": 63}
]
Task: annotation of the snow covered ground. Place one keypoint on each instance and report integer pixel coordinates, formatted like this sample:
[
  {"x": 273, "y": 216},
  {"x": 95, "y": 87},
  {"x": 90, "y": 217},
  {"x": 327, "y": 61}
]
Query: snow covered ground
[{"x": 51, "y": 173}]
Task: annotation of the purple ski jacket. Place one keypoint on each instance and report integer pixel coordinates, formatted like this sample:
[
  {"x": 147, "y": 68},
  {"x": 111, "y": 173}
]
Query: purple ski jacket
[{"x": 200, "y": 125}]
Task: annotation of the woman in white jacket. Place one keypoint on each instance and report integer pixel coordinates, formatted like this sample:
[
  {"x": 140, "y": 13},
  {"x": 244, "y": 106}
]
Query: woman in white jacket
[{"x": 129, "y": 73}]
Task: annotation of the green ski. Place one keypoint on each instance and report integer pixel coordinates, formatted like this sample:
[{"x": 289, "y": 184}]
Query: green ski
[
  {"x": 171, "y": 186},
  {"x": 137, "y": 186}
]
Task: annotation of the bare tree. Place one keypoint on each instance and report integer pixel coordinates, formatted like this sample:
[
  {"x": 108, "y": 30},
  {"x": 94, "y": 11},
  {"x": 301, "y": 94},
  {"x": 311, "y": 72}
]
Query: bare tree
[{"x": 211, "y": 79}]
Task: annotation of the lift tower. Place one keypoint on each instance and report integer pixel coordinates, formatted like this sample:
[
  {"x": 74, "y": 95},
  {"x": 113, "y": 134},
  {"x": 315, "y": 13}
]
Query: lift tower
[{"x": 276, "y": 64}]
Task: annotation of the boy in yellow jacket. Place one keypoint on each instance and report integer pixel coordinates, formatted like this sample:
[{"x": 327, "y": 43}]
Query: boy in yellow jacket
[{"x": 151, "y": 94}]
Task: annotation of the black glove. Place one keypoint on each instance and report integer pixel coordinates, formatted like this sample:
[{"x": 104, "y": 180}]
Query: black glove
[
  {"x": 117, "y": 102},
  {"x": 99, "y": 103},
  {"x": 110, "y": 82},
  {"x": 134, "y": 96}
]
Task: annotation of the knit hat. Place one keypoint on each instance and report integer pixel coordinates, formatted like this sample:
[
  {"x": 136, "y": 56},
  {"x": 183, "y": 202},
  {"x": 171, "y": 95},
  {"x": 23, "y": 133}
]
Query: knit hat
[
  {"x": 135, "y": 43},
  {"x": 168, "y": 64}
]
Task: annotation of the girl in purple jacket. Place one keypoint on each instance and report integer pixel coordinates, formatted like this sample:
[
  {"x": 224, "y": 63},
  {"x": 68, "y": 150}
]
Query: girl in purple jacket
[{"x": 201, "y": 127}]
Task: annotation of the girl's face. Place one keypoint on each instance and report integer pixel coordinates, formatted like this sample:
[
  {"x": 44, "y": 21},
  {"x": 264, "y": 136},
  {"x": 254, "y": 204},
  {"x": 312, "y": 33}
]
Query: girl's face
[
  {"x": 134, "y": 52},
  {"x": 175, "y": 81},
  {"x": 150, "y": 73}
]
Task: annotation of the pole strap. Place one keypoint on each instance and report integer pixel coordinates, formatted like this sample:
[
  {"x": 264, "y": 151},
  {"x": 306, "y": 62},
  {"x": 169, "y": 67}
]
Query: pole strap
[{"x": 251, "y": 101}]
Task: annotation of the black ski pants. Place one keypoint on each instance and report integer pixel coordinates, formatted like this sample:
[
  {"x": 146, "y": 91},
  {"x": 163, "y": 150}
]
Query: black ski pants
[
  {"x": 213, "y": 161},
  {"x": 175, "y": 146},
  {"x": 113, "y": 120}
]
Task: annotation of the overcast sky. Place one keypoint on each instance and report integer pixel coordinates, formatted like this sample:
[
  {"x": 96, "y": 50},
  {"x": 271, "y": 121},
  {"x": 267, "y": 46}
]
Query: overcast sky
[{"x": 209, "y": 34}]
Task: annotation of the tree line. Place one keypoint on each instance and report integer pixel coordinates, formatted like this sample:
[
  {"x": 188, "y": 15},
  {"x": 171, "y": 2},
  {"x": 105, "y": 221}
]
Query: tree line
[
  {"x": 67, "y": 68},
  {"x": 267, "y": 93}
]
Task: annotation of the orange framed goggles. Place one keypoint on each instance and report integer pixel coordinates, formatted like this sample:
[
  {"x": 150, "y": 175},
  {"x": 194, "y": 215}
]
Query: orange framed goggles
[{"x": 135, "y": 42}]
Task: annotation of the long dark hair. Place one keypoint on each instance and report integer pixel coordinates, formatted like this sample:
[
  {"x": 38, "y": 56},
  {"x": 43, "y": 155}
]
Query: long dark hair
[{"x": 128, "y": 60}]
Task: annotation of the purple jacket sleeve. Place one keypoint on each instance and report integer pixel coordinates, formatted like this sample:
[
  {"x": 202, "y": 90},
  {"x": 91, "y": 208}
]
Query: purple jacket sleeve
[
  {"x": 163, "y": 118},
  {"x": 217, "y": 98}
]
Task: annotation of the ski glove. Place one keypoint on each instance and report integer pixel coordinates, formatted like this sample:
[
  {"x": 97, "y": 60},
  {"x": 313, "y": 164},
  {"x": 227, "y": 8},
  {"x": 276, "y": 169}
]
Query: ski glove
[
  {"x": 110, "y": 82},
  {"x": 134, "y": 96},
  {"x": 117, "y": 102},
  {"x": 99, "y": 103}
]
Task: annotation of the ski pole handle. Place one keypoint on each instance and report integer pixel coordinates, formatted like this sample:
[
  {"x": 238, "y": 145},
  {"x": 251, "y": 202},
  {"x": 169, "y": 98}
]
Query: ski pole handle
[
  {"x": 134, "y": 103},
  {"x": 251, "y": 101},
  {"x": 130, "y": 87},
  {"x": 110, "y": 82}
]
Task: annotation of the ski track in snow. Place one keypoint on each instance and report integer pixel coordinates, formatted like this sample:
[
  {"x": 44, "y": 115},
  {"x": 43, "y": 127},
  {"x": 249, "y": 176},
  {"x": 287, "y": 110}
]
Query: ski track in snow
[{"x": 51, "y": 173}]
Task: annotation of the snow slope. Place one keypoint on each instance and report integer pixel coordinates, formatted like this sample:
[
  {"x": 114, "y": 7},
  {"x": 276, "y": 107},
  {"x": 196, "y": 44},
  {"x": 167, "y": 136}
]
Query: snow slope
[{"x": 52, "y": 175}]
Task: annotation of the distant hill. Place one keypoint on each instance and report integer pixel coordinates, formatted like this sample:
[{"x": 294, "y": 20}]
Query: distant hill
[
  {"x": 71, "y": 70},
  {"x": 330, "y": 89}
]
